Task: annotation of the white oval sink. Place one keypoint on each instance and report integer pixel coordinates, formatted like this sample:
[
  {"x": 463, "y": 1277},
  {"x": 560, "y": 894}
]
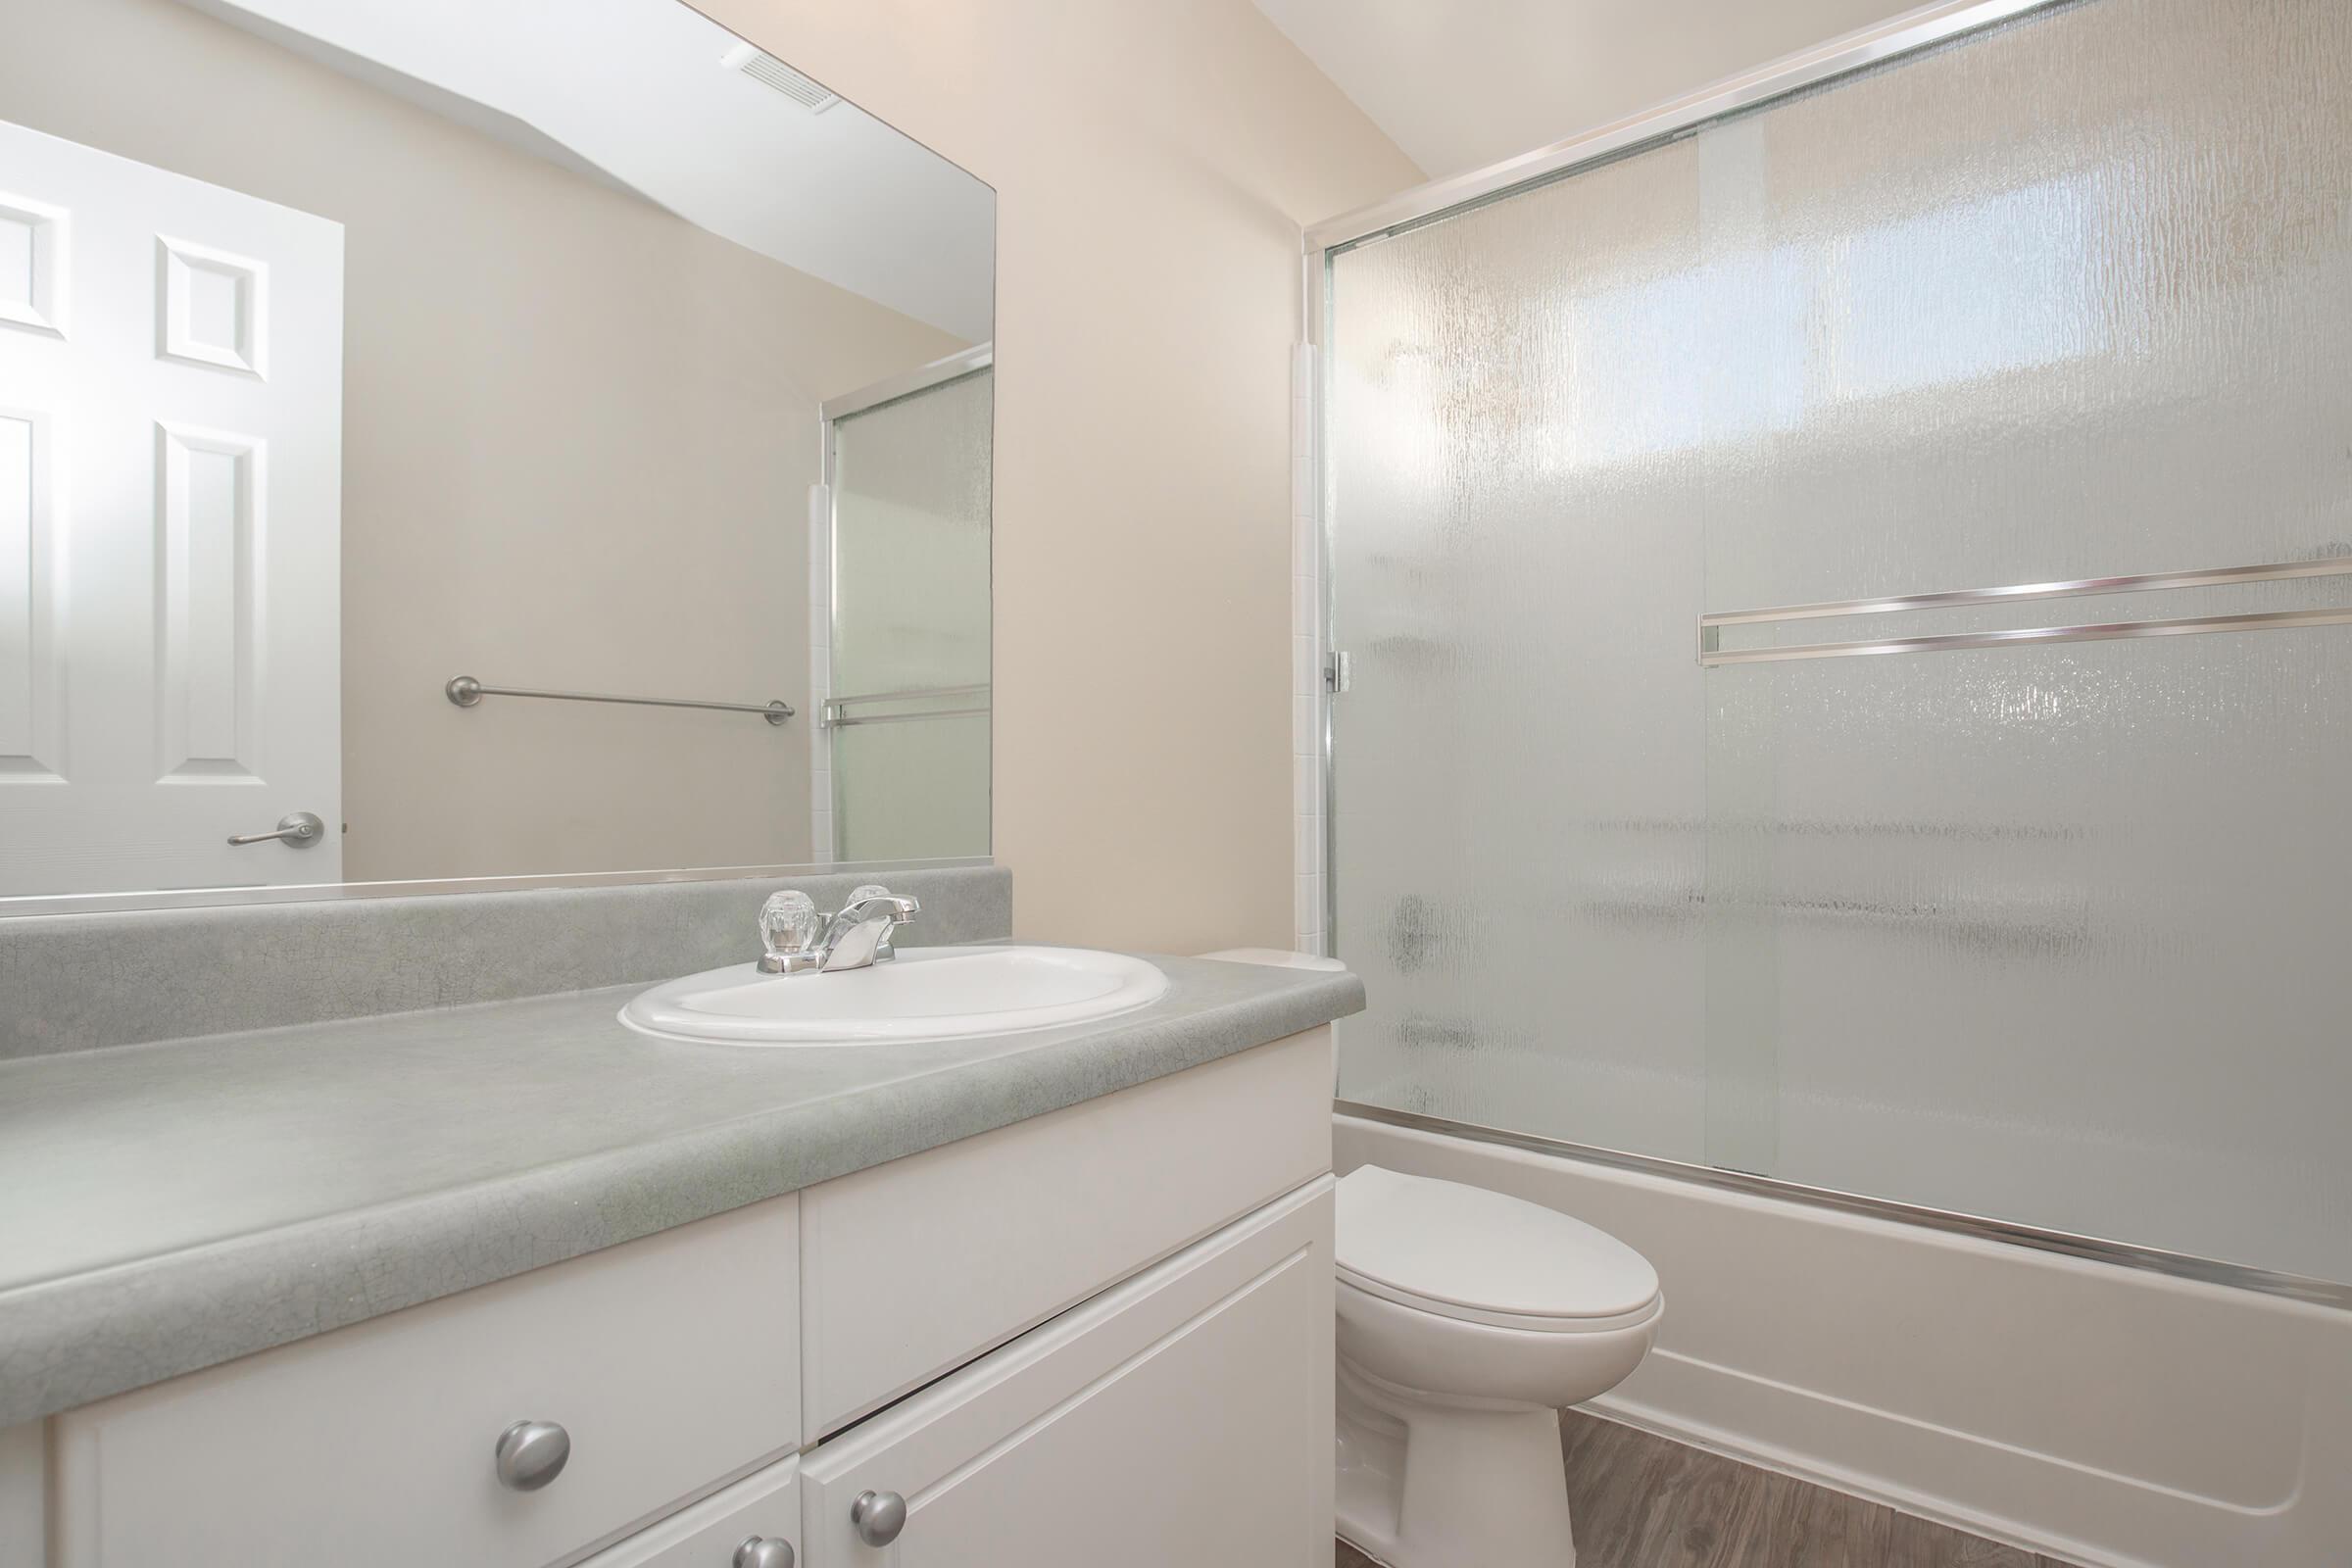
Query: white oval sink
[{"x": 923, "y": 994}]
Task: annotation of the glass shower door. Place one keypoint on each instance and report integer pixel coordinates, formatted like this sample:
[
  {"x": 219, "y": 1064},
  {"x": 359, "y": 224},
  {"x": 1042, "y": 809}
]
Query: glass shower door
[
  {"x": 2041, "y": 927},
  {"x": 1515, "y": 485},
  {"x": 2026, "y": 927},
  {"x": 909, "y": 717}
]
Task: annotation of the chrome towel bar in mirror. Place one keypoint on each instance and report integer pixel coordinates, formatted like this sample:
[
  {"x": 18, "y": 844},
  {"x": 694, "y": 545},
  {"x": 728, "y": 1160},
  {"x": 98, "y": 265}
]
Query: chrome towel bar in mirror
[
  {"x": 836, "y": 716},
  {"x": 467, "y": 692}
]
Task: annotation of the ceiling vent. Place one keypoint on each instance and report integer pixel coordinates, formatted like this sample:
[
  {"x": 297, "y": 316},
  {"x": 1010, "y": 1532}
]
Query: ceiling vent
[{"x": 769, "y": 72}]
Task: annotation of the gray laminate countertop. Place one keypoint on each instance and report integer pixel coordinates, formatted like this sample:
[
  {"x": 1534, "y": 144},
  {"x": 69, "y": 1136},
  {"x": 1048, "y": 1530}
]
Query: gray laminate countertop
[{"x": 169, "y": 1206}]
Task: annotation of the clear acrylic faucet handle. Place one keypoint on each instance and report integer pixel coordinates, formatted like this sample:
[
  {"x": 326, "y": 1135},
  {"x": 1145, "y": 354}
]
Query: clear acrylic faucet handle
[
  {"x": 789, "y": 922},
  {"x": 871, "y": 890}
]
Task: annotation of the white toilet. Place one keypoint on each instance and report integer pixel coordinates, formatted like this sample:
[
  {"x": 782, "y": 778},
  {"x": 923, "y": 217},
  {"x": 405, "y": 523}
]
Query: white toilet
[{"x": 1466, "y": 1319}]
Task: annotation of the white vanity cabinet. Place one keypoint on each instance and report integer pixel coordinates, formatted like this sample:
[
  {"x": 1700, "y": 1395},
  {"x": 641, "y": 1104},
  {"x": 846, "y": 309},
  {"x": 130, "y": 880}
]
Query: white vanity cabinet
[
  {"x": 1101, "y": 1335},
  {"x": 1181, "y": 1419}
]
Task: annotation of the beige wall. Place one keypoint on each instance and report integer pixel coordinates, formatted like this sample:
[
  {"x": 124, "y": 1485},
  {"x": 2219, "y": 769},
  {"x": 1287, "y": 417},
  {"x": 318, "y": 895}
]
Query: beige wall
[
  {"x": 1461, "y": 86},
  {"x": 579, "y": 436},
  {"x": 1153, "y": 161}
]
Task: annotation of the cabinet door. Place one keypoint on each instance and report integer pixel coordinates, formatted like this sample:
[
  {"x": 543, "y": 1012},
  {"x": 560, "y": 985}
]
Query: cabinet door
[
  {"x": 765, "y": 1506},
  {"x": 1183, "y": 1418},
  {"x": 912, "y": 1269}
]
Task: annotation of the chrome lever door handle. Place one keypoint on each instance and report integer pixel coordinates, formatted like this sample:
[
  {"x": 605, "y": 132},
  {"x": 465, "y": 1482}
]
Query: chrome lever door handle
[{"x": 297, "y": 829}]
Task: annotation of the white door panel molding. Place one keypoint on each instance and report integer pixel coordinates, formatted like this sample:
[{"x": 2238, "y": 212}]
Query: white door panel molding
[{"x": 174, "y": 438}]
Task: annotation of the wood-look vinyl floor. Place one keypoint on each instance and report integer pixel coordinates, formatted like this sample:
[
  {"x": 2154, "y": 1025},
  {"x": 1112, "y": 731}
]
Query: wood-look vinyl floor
[{"x": 1644, "y": 1501}]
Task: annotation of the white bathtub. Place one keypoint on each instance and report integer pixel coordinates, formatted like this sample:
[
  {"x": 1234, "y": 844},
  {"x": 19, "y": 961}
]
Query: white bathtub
[{"x": 2110, "y": 1417}]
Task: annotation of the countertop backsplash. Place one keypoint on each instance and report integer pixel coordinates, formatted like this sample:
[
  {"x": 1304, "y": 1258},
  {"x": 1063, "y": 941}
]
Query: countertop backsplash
[{"x": 78, "y": 982}]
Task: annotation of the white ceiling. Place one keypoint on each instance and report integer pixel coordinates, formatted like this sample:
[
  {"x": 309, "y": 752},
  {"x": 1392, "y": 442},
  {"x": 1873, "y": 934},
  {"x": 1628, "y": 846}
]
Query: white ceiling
[
  {"x": 1463, "y": 83},
  {"x": 633, "y": 92}
]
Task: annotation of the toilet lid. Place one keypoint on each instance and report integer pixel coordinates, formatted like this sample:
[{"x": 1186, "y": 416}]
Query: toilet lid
[{"x": 1453, "y": 1246}]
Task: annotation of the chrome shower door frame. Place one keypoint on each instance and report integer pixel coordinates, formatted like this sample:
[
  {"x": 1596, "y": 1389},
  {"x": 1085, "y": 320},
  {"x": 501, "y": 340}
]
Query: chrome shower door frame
[{"x": 1853, "y": 52}]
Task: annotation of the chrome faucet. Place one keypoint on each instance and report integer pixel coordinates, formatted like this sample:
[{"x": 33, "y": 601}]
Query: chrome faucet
[
  {"x": 861, "y": 933},
  {"x": 796, "y": 940}
]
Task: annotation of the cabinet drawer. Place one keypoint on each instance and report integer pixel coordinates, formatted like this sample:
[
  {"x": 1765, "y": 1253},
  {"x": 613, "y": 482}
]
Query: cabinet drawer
[
  {"x": 1183, "y": 1418},
  {"x": 765, "y": 1504},
  {"x": 912, "y": 1268},
  {"x": 671, "y": 1361}
]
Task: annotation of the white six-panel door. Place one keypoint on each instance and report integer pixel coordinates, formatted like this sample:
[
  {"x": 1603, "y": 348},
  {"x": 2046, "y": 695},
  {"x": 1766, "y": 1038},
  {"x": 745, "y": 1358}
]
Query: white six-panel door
[{"x": 171, "y": 492}]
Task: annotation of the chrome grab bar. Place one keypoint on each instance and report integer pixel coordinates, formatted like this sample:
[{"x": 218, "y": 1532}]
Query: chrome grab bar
[
  {"x": 467, "y": 692},
  {"x": 1711, "y": 652},
  {"x": 831, "y": 716}
]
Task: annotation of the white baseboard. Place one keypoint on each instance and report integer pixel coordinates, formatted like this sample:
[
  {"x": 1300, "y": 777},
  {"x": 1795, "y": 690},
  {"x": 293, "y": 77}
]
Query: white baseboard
[{"x": 2104, "y": 1415}]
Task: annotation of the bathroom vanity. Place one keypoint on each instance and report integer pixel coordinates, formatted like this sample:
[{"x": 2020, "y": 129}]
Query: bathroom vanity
[
  {"x": 516, "y": 1284},
  {"x": 343, "y": 1217}
]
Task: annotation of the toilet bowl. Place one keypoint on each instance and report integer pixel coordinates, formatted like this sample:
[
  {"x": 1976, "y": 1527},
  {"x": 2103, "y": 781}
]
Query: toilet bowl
[{"x": 1466, "y": 1320}]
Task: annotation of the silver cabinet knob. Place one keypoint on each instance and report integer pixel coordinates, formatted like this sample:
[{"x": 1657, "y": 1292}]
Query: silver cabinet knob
[
  {"x": 297, "y": 829},
  {"x": 878, "y": 1517},
  {"x": 764, "y": 1552},
  {"x": 531, "y": 1453}
]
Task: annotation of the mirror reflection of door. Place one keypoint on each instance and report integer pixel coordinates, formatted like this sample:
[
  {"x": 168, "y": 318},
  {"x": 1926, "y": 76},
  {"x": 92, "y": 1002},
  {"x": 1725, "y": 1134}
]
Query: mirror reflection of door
[
  {"x": 171, "y": 435},
  {"x": 482, "y": 348},
  {"x": 909, "y": 714}
]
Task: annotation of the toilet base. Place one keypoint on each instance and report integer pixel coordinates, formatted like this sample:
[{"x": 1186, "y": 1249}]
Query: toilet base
[{"x": 1427, "y": 1484}]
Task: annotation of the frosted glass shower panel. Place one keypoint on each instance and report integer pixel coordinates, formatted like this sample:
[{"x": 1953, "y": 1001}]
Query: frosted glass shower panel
[
  {"x": 2050, "y": 933},
  {"x": 910, "y": 624},
  {"x": 1515, "y": 482}
]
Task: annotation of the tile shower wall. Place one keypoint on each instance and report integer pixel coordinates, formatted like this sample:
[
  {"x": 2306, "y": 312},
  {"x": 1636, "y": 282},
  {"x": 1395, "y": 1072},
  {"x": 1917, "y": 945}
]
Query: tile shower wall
[{"x": 1307, "y": 663}]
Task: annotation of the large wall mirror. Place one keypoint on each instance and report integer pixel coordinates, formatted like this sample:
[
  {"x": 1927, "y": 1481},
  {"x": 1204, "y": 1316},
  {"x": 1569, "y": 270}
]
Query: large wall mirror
[{"x": 378, "y": 381}]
